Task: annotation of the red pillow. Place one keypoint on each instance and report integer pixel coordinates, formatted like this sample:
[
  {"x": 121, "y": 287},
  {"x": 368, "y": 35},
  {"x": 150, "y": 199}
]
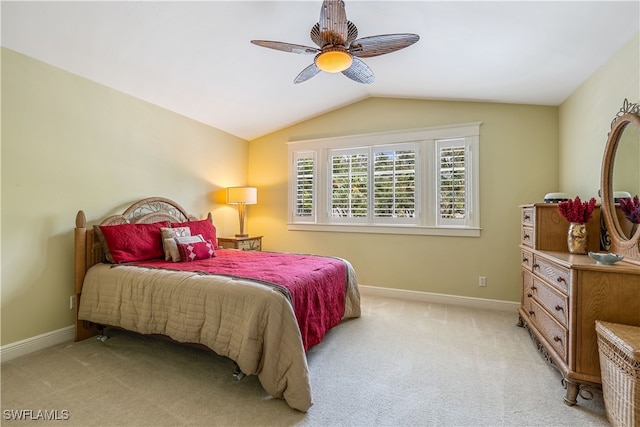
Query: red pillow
[
  {"x": 203, "y": 227},
  {"x": 134, "y": 242},
  {"x": 196, "y": 250}
]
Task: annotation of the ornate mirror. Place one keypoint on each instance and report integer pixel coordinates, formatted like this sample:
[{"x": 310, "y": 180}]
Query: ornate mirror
[{"x": 621, "y": 173}]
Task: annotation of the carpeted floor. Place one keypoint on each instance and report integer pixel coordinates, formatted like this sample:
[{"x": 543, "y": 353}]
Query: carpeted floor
[{"x": 402, "y": 363}]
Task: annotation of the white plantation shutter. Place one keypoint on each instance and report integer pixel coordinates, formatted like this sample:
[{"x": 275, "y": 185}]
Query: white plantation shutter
[
  {"x": 349, "y": 184},
  {"x": 394, "y": 183},
  {"x": 452, "y": 182},
  {"x": 305, "y": 188}
]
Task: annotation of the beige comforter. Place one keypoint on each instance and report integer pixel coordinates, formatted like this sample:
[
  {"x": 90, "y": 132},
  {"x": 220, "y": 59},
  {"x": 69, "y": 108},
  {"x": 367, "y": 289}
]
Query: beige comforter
[{"x": 249, "y": 322}]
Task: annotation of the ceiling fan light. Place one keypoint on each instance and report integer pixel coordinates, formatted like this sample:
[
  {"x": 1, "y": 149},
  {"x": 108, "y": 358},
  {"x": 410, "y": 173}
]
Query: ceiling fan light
[{"x": 334, "y": 61}]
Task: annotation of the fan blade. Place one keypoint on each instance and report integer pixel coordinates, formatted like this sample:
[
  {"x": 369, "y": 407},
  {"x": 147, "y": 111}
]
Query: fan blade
[
  {"x": 367, "y": 47},
  {"x": 359, "y": 72},
  {"x": 287, "y": 47},
  {"x": 315, "y": 35},
  {"x": 333, "y": 22},
  {"x": 352, "y": 34},
  {"x": 307, "y": 73}
]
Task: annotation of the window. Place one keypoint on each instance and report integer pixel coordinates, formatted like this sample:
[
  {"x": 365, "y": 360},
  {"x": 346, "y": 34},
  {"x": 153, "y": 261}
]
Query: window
[{"x": 413, "y": 182}]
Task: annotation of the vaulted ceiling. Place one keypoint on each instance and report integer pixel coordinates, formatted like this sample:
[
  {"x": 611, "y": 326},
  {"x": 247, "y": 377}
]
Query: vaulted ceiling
[{"x": 196, "y": 59}]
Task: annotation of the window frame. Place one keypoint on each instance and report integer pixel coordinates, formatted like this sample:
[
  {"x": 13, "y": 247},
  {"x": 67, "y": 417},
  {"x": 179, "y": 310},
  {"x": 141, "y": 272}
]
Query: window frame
[{"x": 427, "y": 218}]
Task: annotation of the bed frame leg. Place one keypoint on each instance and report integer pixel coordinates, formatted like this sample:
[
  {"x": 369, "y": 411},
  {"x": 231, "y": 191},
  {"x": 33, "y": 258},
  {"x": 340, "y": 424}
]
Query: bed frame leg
[
  {"x": 237, "y": 373},
  {"x": 102, "y": 337}
]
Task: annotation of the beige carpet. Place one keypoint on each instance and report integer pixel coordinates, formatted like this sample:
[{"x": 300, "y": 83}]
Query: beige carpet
[{"x": 401, "y": 364}]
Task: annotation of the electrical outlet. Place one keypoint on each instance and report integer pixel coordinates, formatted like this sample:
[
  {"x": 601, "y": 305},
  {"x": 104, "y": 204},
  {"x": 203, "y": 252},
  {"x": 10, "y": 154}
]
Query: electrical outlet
[
  {"x": 72, "y": 302},
  {"x": 482, "y": 281}
]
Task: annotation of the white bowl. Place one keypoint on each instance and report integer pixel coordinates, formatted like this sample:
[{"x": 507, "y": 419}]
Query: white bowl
[{"x": 605, "y": 258}]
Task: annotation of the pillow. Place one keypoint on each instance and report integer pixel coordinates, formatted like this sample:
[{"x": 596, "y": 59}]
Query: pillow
[
  {"x": 204, "y": 227},
  {"x": 168, "y": 242},
  {"x": 134, "y": 242},
  {"x": 175, "y": 257},
  {"x": 196, "y": 250},
  {"x": 105, "y": 248},
  {"x": 189, "y": 239}
]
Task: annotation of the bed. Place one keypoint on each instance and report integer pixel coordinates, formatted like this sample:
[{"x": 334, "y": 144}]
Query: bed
[{"x": 155, "y": 269}]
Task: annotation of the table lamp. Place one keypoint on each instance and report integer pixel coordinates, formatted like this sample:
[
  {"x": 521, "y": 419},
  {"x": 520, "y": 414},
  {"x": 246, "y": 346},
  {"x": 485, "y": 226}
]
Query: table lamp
[{"x": 242, "y": 196}]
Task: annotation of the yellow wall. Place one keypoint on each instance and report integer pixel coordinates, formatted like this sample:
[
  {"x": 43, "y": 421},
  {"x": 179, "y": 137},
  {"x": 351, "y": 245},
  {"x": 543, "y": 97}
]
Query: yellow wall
[
  {"x": 70, "y": 144},
  {"x": 585, "y": 119},
  {"x": 518, "y": 164}
]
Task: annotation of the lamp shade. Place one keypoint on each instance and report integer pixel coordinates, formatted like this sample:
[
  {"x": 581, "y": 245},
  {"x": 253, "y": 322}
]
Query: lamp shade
[
  {"x": 242, "y": 195},
  {"x": 334, "y": 61}
]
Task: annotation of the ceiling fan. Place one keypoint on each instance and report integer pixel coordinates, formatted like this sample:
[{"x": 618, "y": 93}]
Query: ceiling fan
[{"x": 338, "y": 49}]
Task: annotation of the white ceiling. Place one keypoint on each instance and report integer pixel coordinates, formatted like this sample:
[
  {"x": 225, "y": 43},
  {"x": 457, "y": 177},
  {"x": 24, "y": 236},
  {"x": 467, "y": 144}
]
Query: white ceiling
[{"x": 195, "y": 58}]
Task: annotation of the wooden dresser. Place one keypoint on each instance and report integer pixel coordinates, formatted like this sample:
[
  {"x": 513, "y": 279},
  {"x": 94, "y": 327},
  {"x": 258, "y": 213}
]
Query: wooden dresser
[{"x": 564, "y": 294}]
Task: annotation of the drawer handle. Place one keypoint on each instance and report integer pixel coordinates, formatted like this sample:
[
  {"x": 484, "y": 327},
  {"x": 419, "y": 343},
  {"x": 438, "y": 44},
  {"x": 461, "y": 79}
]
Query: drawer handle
[
  {"x": 529, "y": 294},
  {"x": 559, "y": 308},
  {"x": 526, "y": 216},
  {"x": 561, "y": 279},
  {"x": 535, "y": 266},
  {"x": 557, "y": 339},
  {"x": 533, "y": 288},
  {"x": 532, "y": 313},
  {"x": 525, "y": 237},
  {"x": 525, "y": 259}
]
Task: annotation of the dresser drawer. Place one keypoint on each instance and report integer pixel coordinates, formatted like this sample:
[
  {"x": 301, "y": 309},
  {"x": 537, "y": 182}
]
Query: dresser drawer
[
  {"x": 556, "y": 336},
  {"x": 555, "y": 302},
  {"x": 250, "y": 245},
  {"x": 526, "y": 259},
  {"x": 527, "y": 293},
  {"x": 527, "y": 216},
  {"x": 553, "y": 273},
  {"x": 527, "y": 236}
]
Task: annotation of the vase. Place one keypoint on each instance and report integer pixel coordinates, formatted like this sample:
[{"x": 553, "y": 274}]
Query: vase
[{"x": 577, "y": 238}]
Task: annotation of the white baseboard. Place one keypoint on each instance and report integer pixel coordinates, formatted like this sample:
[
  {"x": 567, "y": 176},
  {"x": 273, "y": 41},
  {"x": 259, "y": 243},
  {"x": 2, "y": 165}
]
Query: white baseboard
[
  {"x": 29, "y": 345},
  {"x": 489, "y": 304}
]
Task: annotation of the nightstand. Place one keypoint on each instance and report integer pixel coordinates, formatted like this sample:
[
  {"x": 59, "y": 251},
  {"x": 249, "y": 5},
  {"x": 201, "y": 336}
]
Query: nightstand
[{"x": 252, "y": 243}]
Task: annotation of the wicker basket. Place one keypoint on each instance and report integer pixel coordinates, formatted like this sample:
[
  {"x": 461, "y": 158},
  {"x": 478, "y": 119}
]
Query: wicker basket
[{"x": 619, "y": 349}]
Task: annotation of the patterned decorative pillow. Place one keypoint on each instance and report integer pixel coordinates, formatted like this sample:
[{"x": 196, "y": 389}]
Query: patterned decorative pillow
[
  {"x": 184, "y": 240},
  {"x": 196, "y": 250},
  {"x": 134, "y": 242},
  {"x": 204, "y": 227},
  {"x": 169, "y": 243}
]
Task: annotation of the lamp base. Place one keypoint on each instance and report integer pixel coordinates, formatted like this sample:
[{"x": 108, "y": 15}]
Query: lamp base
[{"x": 242, "y": 235}]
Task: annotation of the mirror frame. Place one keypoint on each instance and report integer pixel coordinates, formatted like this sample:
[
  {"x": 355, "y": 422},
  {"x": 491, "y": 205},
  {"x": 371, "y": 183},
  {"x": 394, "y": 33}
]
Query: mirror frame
[{"x": 629, "y": 115}]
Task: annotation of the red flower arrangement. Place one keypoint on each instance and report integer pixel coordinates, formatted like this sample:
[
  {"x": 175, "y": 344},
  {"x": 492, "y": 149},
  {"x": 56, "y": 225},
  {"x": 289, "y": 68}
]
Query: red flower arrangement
[
  {"x": 631, "y": 209},
  {"x": 577, "y": 210}
]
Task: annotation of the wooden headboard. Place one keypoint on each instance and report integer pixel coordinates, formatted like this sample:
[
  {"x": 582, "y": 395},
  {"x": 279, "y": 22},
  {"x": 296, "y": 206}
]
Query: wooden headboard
[{"x": 88, "y": 250}]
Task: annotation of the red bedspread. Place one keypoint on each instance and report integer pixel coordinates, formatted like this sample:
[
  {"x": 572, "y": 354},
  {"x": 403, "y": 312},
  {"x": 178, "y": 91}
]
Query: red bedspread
[{"x": 317, "y": 285}]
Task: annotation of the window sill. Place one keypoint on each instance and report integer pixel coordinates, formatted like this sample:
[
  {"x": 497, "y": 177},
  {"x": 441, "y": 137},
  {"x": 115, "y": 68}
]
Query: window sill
[{"x": 388, "y": 229}]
